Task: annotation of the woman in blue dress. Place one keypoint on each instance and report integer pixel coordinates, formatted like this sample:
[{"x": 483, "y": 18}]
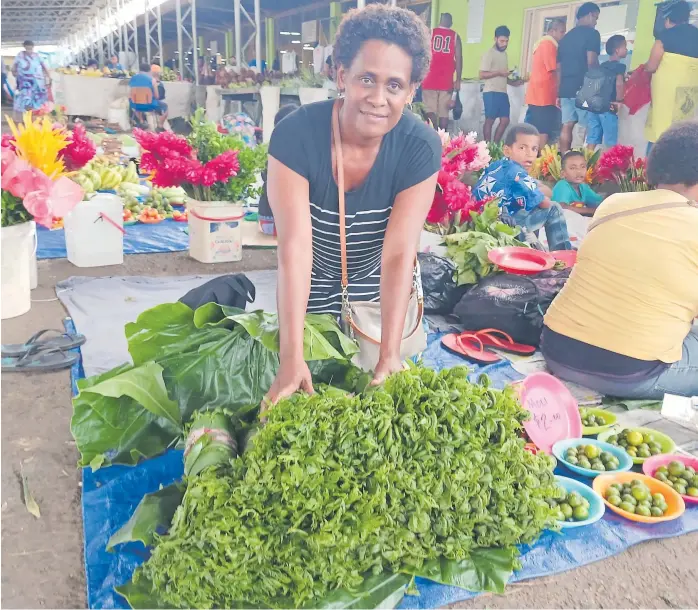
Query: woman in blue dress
[{"x": 33, "y": 80}]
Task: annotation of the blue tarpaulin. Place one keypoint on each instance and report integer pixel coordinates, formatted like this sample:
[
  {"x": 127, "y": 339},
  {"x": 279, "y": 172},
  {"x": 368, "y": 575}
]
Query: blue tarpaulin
[
  {"x": 110, "y": 496},
  {"x": 165, "y": 236}
]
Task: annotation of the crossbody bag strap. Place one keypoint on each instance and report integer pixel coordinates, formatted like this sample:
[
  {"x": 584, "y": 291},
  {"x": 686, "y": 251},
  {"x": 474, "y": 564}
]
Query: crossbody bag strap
[
  {"x": 649, "y": 208},
  {"x": 339, "y": 172}
]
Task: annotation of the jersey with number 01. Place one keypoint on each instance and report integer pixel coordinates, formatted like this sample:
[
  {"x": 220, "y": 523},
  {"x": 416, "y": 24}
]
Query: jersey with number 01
[{"x": 443, "y": 60}]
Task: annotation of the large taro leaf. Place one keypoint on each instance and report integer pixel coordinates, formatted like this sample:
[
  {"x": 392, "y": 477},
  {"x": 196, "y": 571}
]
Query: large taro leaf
[
  {"x": 159, "y": 331},
  {"x": 124, "y": 415},
  {"x": 485, "y": 570},
  {"x": 152, "y": 515},
  {"x": 381, "y": 591},
  {"x": 230, "y": 371}
]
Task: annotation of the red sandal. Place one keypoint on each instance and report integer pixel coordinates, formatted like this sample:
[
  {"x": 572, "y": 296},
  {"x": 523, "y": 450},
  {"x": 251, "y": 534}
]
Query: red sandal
[
  {"x": 490, "y": 337},
  {"x": 465, "y": 346}
]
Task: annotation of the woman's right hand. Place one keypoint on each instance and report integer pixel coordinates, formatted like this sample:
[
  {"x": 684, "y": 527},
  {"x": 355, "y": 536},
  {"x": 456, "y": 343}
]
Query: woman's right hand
[{"x": 292, "y": 376}]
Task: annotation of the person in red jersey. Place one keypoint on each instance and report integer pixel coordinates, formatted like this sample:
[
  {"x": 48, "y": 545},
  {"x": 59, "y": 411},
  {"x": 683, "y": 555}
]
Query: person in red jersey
[{"x": 438, "y": 90}]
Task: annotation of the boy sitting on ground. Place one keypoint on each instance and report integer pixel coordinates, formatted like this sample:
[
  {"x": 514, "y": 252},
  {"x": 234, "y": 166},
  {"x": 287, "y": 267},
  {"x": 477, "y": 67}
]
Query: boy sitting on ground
[
  {"x": 520, "y": 195},
  {"x": 572, "y": 192}
]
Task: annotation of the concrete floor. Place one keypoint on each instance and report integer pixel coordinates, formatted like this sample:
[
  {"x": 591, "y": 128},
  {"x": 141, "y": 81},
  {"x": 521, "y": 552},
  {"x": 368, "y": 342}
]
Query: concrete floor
[{"x": 42, "y": 563}]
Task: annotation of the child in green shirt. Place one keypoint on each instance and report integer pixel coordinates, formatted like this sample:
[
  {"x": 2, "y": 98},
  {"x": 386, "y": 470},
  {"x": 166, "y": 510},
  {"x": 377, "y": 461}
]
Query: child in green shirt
[{"x": 572, "y": 192}]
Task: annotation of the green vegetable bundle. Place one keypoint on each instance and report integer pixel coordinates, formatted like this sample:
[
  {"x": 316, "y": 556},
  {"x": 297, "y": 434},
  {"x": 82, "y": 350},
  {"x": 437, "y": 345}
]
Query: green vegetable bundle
[
  {"x": 470, "y": 245},
  {"x": 340, "y": 494},
  {"x": 186, "y": 361}
]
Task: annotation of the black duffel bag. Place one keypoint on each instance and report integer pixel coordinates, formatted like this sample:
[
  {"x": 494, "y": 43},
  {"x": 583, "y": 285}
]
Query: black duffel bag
[
  {"x": 515, "y": 304},
  {"x": 441, "y": 293},
  {"x": 234, "y": 290}
]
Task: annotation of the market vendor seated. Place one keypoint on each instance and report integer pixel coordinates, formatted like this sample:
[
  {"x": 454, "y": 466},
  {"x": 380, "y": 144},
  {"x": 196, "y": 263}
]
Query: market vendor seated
[
  {"x": 144, "y": 95},
  {"x": 624, "y": 324},
  {"x": 571, "y": 191},
  {"x": 522, "y": 196}
]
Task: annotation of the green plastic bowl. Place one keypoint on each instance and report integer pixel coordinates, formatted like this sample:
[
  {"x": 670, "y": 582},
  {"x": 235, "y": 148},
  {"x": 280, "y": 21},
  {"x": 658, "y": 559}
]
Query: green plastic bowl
[
  {"x": 665, "y": 442},
  {"x": 609, "y": 420}
]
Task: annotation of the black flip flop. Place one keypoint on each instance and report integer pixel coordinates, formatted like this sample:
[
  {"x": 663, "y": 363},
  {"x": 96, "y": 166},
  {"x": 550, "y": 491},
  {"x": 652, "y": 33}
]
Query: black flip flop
[
  {"x": 64, "y": 341},
  {"x": 40, "y": 361}
]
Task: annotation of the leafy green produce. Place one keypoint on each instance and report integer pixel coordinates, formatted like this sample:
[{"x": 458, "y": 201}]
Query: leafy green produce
[
  {"x": 469, "y": 246},
  {"x": 420, "y": 476},
  {"x": 187, "y": 361}
]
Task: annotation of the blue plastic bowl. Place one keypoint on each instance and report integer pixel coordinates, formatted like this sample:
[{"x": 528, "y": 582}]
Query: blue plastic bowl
[
  {"x": 596, "y": 505},
  {"x": 561, "y": 447}
]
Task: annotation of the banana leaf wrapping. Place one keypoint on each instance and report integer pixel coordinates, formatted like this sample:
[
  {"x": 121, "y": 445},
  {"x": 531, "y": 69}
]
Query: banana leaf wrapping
[{"x": 210, "y": 442}]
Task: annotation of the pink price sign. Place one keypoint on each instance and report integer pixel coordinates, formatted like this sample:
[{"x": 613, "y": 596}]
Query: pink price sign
[{"x": 553, "y": 409}]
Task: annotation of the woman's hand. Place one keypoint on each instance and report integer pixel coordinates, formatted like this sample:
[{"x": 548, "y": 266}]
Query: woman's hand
[
  {"x": 386, "y": 367},
  {"x": 291, "y": 377}
]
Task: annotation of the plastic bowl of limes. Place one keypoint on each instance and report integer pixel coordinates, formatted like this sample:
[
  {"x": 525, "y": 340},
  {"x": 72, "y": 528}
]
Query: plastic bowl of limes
[
  {"x": 595, "y": 421},
  {"x": 577, "y": 503},
  {"x": 679, "y": 472},
  {"x": 590, "y": 457},
  {"x": 639, "y": 498},
  {"x": 640, "y": 443}
]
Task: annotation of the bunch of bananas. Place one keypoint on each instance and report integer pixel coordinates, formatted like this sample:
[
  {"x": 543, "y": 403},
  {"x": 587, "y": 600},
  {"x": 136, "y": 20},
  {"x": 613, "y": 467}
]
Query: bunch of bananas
[{"x": 100, "y": 175}]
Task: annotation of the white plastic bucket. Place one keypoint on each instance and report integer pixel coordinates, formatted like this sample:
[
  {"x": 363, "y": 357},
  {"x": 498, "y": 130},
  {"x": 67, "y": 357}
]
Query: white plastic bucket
[
  {"x": 94, "y": 232},
  {"x": 119, "y": 116},
  {"x": 308, "y": 95},
  {"x": 215, "y": 231},
  {"x": 271, "y": 98},
  {"x": 33, "y": 264},
  {"x": 17, "y": 246}
]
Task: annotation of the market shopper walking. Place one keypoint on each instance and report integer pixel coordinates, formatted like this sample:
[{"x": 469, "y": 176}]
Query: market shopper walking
[
  {"x": 674, "y": 63},
  {"x": 439, "y": 91},
  {"x": 33, "y": 80},
  {"x": 623, "y": 325},
  {"x": 494, "y": 70},
  {"x": 541, "y": 95},
  {"x": 577, "y": 53},
  {"x": 390, "y": 164}
]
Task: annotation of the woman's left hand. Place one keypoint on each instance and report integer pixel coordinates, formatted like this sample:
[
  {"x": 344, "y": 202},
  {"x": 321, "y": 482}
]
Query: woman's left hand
[{"x": 386, "y": 367}]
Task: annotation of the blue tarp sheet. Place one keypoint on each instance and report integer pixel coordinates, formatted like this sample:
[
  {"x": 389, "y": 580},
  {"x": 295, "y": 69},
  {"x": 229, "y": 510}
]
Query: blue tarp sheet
[
  {"x": 166, "y": 236},
  {"x": 110, "y": 496}
]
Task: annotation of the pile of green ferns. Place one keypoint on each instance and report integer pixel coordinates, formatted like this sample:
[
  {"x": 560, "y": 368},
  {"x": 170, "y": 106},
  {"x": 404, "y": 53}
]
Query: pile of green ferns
[{"x": 338, "y": 492}]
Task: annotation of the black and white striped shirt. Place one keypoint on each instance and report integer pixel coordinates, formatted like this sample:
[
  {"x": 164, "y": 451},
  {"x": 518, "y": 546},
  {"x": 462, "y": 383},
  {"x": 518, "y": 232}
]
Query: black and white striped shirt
[{"x": 409, "y": 154}]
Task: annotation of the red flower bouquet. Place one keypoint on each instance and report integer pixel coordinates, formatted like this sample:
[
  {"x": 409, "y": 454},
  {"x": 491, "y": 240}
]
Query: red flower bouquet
[
  {"x": 79, "y": 150},
  {"x": 619, "y": 164},
  {"x": 453, "y": 199},
  {"x": 172, "y": 161}
]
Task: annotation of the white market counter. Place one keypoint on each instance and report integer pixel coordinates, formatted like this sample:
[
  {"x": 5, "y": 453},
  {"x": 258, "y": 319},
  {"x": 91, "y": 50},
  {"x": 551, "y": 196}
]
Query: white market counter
[{"x": 92, "y": 96}]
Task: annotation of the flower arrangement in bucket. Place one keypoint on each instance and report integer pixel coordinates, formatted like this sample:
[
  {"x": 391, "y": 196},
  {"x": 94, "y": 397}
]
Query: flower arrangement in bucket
[
  {"x": 453, "y": 200},
  {"x": 35, "y": 159},
  {"x": 619, "y": 164},
  {"x": 172, "y": 162}
]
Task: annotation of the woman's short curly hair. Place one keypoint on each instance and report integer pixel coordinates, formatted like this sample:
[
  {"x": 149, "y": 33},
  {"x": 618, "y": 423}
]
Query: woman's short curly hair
[
  {"x": 673, "y": 158},
  {"x": 390, "y": 24}
]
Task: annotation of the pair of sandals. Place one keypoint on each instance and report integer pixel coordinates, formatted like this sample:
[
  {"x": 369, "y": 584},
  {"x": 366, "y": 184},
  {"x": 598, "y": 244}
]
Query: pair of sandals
[
  {"x": 471, "y": 345},
  {"x": 42, "y": 353}
]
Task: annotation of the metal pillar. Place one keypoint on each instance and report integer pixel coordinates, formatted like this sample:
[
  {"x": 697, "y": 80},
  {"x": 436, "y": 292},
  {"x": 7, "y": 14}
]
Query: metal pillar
[
  {"x": 393, "y": 2},
  {"x": 269, "y": 39},
  {"x": 238, "y": 34},
  {"x": 123, "y": 34},
  {"x": 182, "y": 16},
  {"x": 180, "y": 46},
  {"x": 100, "y": 41},
  {"x": 151, "y": 44},
  {"x": 258, "y": 38},
  {"x": 360, "y": 3},
  {"x": 335, "y": 19}
]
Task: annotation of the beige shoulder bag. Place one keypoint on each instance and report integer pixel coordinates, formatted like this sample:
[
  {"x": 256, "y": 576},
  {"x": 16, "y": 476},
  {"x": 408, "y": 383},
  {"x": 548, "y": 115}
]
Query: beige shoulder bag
[
  {"x": 632, "y": 212},
  {"x": 362, "y": 319}
]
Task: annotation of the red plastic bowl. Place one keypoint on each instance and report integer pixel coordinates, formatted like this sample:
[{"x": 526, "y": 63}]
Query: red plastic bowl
[
  {"x": 569, "y": 257},
  {"x": 521, "y": 261},
  {"x": 554, "y": 412},
  {"x": 650, "y": 466}
]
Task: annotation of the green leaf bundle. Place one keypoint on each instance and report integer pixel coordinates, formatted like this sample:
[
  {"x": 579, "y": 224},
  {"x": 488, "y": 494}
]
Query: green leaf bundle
[{"x": 339, "y": 493}]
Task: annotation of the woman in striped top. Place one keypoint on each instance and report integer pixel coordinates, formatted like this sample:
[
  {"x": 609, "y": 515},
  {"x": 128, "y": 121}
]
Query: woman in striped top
[{"x": 390, "y": 161}]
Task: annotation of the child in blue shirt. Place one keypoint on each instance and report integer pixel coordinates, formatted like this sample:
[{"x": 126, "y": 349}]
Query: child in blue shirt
[
  {"x": 572, "y": 192},
  {"x": 521, "y": 196}
]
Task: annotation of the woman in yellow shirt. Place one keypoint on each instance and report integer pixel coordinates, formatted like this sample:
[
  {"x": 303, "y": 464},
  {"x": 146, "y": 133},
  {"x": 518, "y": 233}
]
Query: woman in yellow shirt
[{"x": 624, "y": 324}]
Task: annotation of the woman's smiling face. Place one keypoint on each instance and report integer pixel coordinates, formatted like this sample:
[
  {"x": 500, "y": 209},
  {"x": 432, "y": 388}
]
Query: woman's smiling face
[{"x": 376, "y": 88}]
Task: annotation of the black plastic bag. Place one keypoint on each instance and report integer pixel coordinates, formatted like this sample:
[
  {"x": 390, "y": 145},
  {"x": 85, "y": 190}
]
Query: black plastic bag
[
  {"x": 230, "y": 290},
  {"x": 515, "y": 304},
  {"x": 441, "y": 293}
]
